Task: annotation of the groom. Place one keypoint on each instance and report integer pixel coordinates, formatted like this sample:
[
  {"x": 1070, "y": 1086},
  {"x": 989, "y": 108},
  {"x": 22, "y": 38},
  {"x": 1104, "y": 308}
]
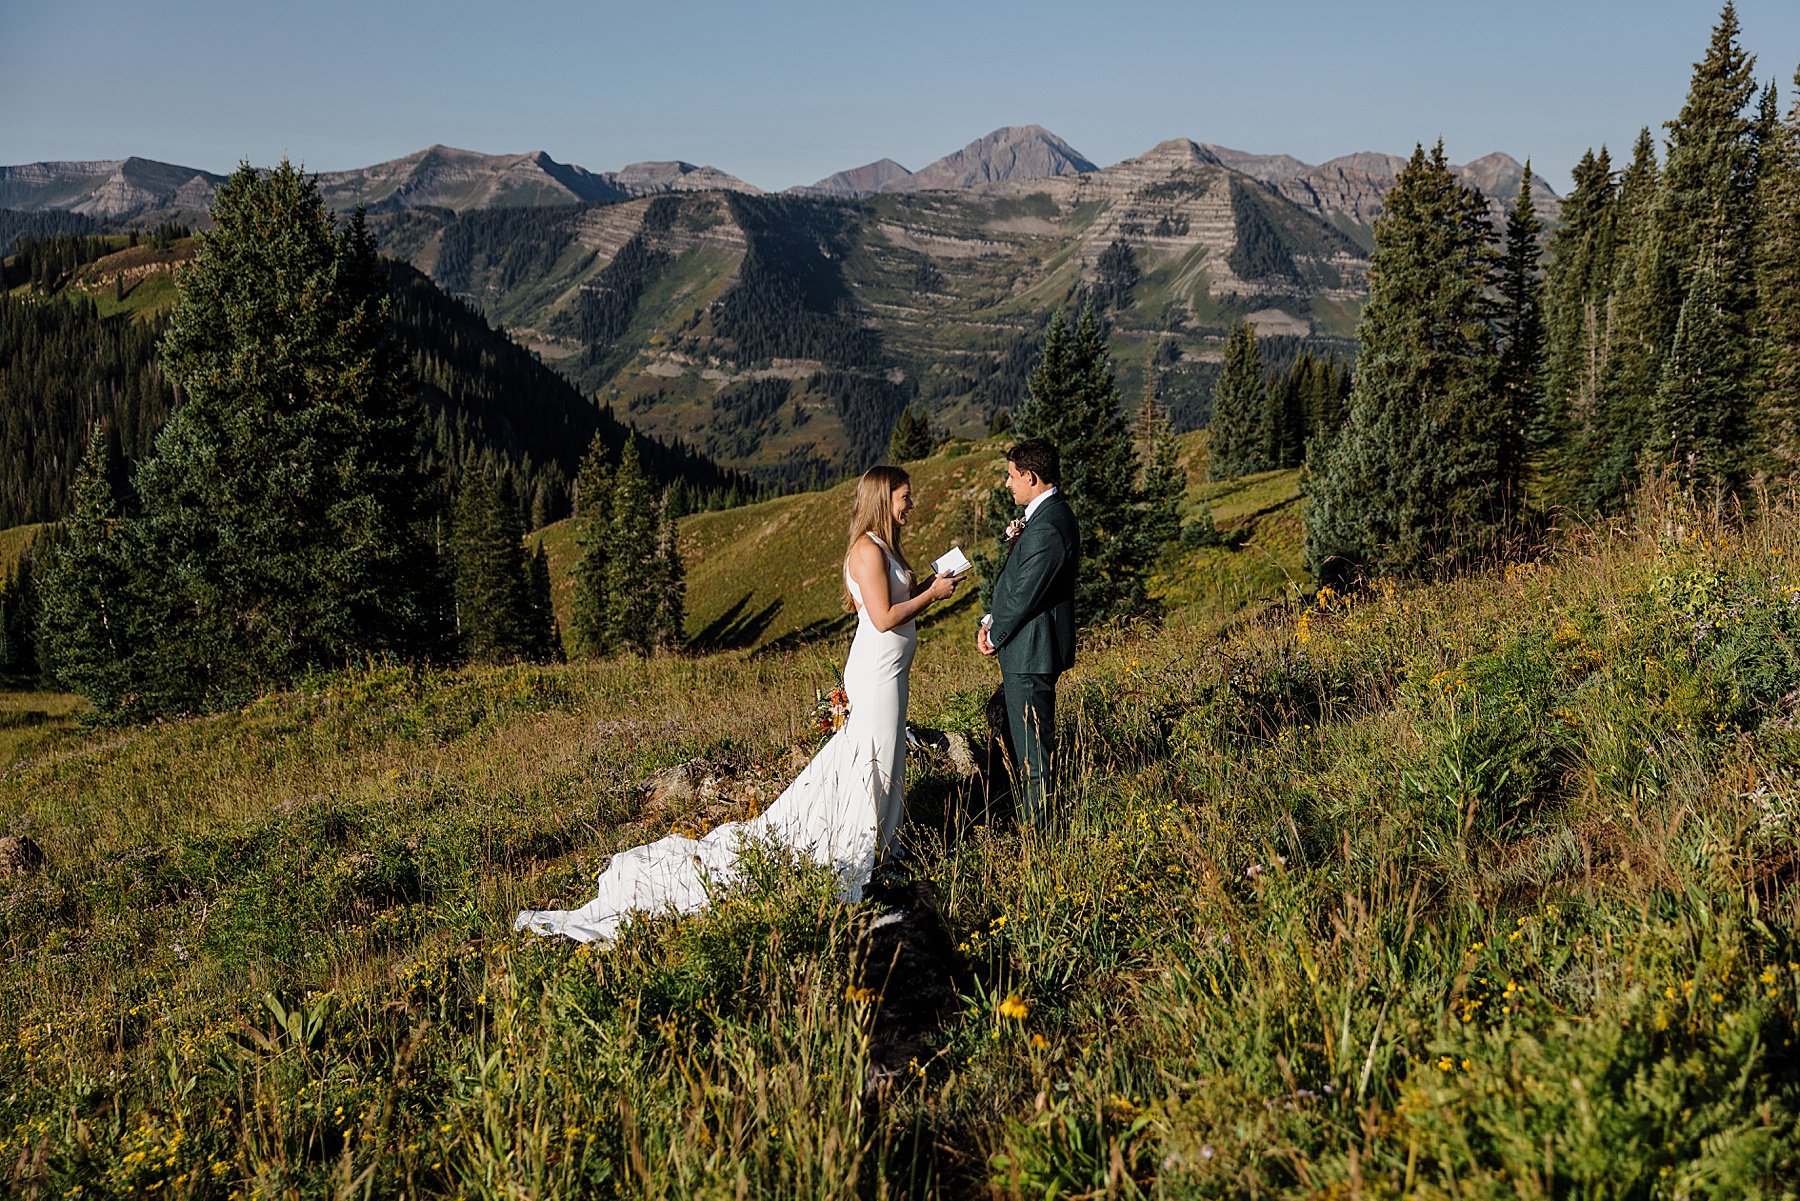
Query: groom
[{"x": 1032, "y": 627}]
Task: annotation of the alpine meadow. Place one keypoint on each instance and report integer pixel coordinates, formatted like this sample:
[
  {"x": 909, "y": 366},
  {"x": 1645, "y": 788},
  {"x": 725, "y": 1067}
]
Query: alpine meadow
[{"x": 387, "y": 550}]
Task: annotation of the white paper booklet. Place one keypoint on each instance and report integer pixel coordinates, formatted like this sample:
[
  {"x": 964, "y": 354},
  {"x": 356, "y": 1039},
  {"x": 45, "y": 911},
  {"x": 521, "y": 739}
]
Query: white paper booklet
[{"x": 952, "y": 562}]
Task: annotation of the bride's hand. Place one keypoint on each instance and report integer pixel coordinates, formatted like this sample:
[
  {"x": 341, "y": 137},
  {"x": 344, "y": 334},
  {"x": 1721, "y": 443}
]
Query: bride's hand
[{"x": 941, "y": 586}]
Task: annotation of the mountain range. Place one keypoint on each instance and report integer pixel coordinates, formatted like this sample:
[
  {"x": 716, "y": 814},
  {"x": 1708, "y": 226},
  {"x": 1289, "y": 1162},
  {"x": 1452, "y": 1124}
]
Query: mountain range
[
  {"x": 1347, "y": 189},
  {"x": 784, "y": 333}
]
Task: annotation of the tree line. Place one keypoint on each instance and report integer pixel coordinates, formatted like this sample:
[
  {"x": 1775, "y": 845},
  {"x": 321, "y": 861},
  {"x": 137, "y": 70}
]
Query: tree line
[{"x": 1494, "y": 391}]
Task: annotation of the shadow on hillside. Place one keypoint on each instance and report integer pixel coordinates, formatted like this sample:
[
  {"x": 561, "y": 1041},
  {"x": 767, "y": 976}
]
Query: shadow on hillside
[
  {"x": 734, "y": 628},
  {"x": 825, "y": 627}
]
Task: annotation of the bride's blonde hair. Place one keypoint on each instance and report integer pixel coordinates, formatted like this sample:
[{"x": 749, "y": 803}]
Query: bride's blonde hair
[{"x": 872, "y": 512}]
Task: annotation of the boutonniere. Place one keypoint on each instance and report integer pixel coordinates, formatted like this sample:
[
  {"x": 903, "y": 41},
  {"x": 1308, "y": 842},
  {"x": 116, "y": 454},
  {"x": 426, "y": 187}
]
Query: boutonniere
[{"x": 1014, "y": 528}]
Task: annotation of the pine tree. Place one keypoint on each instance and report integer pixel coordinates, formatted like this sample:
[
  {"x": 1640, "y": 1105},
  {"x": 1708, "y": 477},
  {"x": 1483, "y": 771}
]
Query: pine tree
[
  {"x": 500, "y": 615},
  {"x": 1578, "y": 331},
  {"x": 1073, "y": 401},
  {"x": 1286, "y": 424},
  {"x": 1776, "y": 322},
  {"x": 1326, "y": 397},
  {"x": 21, "y": 609},
  {"x": 912, "y": 439},
  {"x": 93, "y": 623},
  {"x": 1645, "y": 301},
  {"x": 1705, "y": 204},
  {"x": 632, "y": 560},
  {"x": 1697, "y": 273},
  {"x": 1521, "y": 333},
  {"x": 589, "y": 625},
  {"x": 671, "y": 611},
  {"x": 545, "y": 640},
  {"x": 282, "y": 502},
  {"x": 1237, "y": 433},
  {"x": 1412, "y": 480},
  {"x": 1164, "y": 483},
  {"x": 1701, "y": 410}
]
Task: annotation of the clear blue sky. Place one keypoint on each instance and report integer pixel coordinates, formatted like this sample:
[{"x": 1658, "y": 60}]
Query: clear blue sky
[{"x": 786, "y": 92}]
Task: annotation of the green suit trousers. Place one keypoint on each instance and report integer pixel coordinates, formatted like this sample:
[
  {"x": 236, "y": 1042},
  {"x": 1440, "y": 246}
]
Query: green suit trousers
[{"x": 1031, "y": 715}]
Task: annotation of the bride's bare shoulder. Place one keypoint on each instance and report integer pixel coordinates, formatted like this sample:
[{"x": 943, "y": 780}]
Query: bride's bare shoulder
[{"x": 864, "y": 554}]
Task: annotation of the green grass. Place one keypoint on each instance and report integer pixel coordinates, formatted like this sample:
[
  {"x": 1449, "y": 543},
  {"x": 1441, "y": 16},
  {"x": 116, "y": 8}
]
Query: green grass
[{"x": 1477, "y": 889}]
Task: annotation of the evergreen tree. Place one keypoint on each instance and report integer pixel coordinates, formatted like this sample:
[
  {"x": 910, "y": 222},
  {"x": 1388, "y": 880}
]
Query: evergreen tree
[
  {"x": 1699, "y": 419},
  {"x": 589, "y": 626},
  {"x": 1164, "y": 483},
  {"x": 1413, "y": 479},
  {"x": 1073, "y": 402},
  {"x": 545, "y": 640},
  {"x": 1696, "y": 277},
  {"x": 1776, "y": 324},
  {"x": 1705, "y": 204},
  {"x": 498, "y": 617},
  {"x": 1578, "y": 312},
  {"x": 912, "y": 439},
  {"x": 21, "y": 609},
  {"x": 1521, "y": 333},
  {"x": 1286, "y": 423},
  {"x": 1237, "y": 434},
  {"x": 671, "y": 611},
  {"x": 93, "y": 620},
  {"x": 632, "y": 560},
  {"x": 282, "y": 503},
  {"x": 1326, "y": 397}
]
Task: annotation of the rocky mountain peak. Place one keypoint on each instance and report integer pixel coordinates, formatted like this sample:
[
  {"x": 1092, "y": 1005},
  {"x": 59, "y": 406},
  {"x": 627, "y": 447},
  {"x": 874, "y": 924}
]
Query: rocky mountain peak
[{"x": 1011, "y": 154}]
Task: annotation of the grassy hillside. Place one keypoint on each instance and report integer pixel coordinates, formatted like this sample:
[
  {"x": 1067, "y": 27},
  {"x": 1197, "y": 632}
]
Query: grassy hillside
[
  {"x": 768, "y": 574},
  {"x": 1479, "y": 889}
]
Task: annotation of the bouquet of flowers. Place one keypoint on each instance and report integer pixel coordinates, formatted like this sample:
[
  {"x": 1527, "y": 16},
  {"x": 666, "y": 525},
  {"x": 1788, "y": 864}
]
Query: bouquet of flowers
[{"x": 831, "y": 711}]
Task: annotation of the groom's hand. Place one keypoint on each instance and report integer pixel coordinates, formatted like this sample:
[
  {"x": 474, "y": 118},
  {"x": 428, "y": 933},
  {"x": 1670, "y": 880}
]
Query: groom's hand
[{"x": 983, "y": 641}]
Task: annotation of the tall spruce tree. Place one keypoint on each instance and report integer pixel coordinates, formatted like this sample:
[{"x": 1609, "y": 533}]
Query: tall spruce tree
[
  {"x": 590, "y": 628},
  {"x": 21, "y": 610},
  {"x": 1702, "y": 405},
  {"x": 545, "y": 639},
  {"x": 1645, "y": 300},
  {"x": 1237, "y": 434},
  {"x": 94, "y": 622},
  {"x": 1073, "y": 402},
  {"x": 1704, "y": 215},
  {"x": 671, "y": 579},
  {"x": 1285, "y": 426},
  {"x": 1705, "y": 204},
  {"x": 1521, "y": 333},
  {"x": 1776, "y": 322},
  {"x": 1164, "y": 483},
  {"x": 499, "y": 617},
  {"x": 1413, "y": 479},
  {"x": 1578, "y": 320},
  {"x": 633, "y": 564},
  {"x": 281, "y": 505},
  {"x": 912, "y": 438}
]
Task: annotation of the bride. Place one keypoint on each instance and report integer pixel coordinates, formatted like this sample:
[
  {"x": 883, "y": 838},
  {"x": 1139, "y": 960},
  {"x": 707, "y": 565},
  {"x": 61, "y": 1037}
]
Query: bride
[{"x": 846, "y": 806}]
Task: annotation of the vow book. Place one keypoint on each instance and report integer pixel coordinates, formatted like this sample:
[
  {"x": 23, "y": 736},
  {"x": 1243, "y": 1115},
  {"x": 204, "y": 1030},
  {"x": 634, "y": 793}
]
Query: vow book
[{"x": 951, "y": 562}]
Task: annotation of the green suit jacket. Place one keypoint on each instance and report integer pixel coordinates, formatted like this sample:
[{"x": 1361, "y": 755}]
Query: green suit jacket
[{"x": 1034, "y": 598}]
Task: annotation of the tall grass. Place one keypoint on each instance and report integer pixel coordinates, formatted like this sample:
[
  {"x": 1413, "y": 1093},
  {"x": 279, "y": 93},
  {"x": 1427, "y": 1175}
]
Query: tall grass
[{"x": 1484, "y": 888}]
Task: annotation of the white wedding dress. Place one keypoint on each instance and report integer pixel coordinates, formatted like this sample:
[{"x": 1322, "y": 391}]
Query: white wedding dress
[{"x": 842, "y": 811}]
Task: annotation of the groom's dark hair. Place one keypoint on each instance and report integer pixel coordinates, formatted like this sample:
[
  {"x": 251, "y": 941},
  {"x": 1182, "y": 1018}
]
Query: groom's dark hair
[{"x": 1038, "y": 457}]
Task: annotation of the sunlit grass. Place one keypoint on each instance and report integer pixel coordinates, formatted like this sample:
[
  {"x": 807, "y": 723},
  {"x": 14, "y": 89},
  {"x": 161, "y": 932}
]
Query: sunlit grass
[{"x": 1482, "y": 888}]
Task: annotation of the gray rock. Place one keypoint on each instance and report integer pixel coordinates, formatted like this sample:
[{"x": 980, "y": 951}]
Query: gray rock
[{"x": 20, "y": 855}]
